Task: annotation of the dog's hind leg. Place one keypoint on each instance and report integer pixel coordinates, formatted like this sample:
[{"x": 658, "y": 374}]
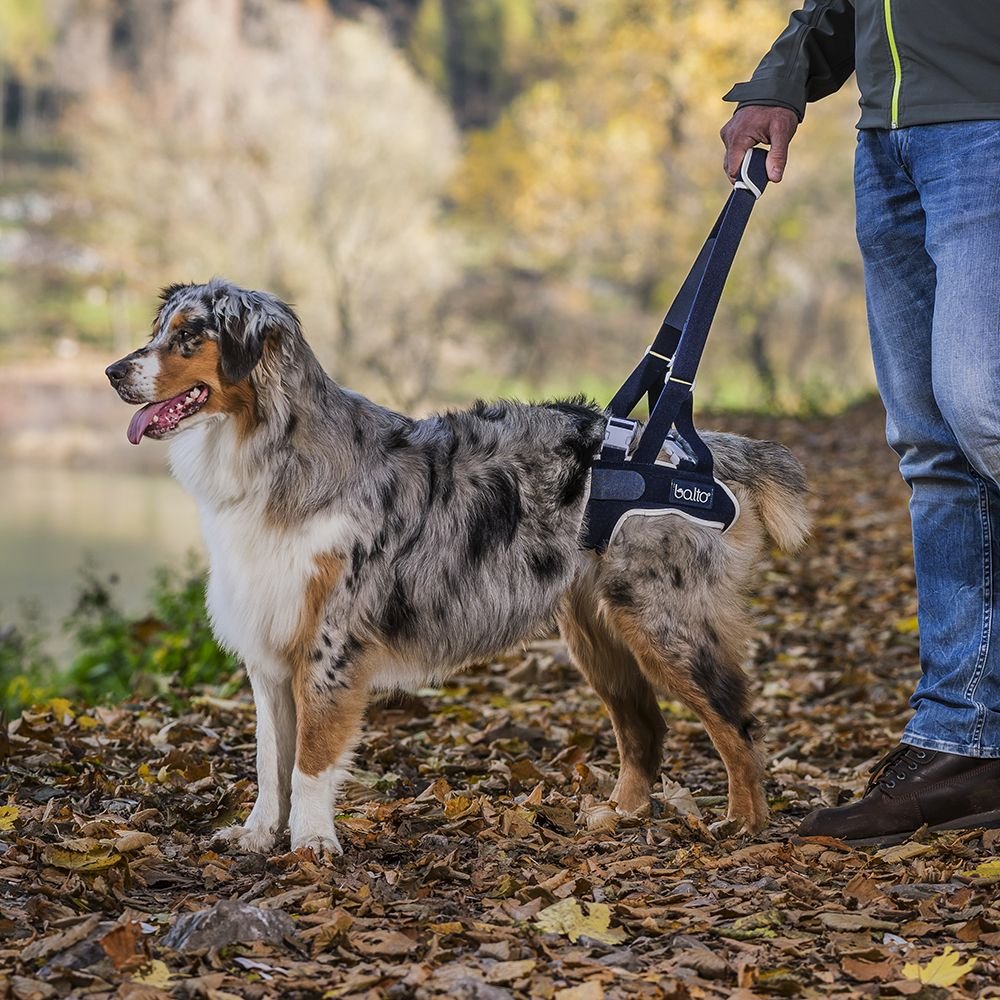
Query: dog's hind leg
[
  {"x": 275, "y": 757},
  {"x": 614, "y": 674},
  {"x": 697, "y": 671}
]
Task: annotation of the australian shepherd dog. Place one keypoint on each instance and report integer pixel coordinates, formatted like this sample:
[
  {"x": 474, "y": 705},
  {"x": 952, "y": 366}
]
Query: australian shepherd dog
[{"x": 354, "y": 550}]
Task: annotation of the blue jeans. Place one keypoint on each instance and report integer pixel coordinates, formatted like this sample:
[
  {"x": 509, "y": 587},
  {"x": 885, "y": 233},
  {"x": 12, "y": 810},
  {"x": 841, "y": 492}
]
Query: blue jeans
[{"x": 928, "y": 220}]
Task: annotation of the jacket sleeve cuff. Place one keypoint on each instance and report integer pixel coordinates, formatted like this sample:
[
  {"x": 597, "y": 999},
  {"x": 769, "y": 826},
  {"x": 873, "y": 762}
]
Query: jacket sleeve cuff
[{"x": 771, "y": 92}]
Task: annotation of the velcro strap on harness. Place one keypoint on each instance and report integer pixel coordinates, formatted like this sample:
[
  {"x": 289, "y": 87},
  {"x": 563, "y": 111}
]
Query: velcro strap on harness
[{"x": 621, "y": 489}]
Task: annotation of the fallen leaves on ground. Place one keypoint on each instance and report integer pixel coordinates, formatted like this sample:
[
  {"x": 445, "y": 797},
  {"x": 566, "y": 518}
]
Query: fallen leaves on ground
[
  {"x": 945, "y": 969},
  {"x": 567, "y": 917},
  {"x": 470, "y": 871}
]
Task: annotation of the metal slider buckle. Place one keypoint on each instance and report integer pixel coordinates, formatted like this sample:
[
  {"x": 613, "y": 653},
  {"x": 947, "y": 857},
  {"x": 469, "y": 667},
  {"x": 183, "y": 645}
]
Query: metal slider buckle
[{"x": 620, "y": 433}]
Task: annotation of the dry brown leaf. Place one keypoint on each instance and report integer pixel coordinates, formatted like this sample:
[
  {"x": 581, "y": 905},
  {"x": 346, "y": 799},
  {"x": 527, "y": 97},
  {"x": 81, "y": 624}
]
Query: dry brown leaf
[
  {"x": 61, "y": 941},
  {"x": 869, "y": 972},
  {"x": 508, "y": 972},
  {"x": 383, "y": 943},
  {"x": 133, "y": 840},
  {"x": 121, "y": 943},
  {"x": 592, "y": 989},
  {"x": 855, "y": 922}
]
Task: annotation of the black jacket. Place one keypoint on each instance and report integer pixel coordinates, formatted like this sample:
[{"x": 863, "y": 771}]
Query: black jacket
[{"x": 918, "y": 61}]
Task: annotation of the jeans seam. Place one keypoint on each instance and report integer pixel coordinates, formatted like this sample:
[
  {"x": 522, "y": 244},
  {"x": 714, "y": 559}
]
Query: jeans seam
[
  {"x": 914, "y": 739},
  {"x": 987, "y": 629}
]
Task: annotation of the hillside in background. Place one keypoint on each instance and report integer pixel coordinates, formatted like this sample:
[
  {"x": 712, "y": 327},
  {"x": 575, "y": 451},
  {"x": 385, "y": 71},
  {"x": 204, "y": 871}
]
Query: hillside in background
[{"x": 463, "y": 197}]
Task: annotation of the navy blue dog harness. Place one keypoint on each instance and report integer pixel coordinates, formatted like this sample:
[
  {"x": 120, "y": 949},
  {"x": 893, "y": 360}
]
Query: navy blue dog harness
[{"x": 629, "y": 481}]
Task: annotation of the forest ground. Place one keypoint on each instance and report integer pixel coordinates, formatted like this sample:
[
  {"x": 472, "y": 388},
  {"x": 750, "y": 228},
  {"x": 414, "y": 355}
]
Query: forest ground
[{"x": 468, "y": 871}]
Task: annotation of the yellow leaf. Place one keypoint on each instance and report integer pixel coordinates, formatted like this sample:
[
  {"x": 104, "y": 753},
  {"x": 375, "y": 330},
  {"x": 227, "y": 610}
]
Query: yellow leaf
[
  {"x": 907, "y": 626},
  {"x": 460, "y": 805},
  {"x": 988, "y": 869},
  {"x": 146, "y": 774},
  {"x": 158, "y": 975},
  {"x": 61, "y": 709},
  {"x": 87, "y": 722},
  {"x": 903, "y": 852},
  {"x": 566, "y": 917},
  {"x": 8, "y": 816},
  {"x": 81, "y": 855},
  {"x": 945, "y": 969},
  {"x": 450, "y": 927}
]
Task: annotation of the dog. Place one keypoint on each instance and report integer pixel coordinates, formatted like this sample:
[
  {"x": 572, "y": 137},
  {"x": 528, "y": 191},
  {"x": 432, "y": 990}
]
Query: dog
[{"x": 354, "y": 550}]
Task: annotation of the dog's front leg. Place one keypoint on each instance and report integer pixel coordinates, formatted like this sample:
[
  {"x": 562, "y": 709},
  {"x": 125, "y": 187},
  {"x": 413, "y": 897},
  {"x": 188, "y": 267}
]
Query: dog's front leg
[
  {"x": 275, "y": 758},
  {"x": 328, "y": 727}
]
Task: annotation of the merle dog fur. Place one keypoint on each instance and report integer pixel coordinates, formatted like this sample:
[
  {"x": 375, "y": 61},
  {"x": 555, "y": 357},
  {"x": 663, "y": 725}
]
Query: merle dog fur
[{"x": 455, "y": 537}]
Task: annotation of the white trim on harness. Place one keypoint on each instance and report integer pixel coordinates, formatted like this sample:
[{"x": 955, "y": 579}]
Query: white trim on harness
[{"x": 660, "y": 511}]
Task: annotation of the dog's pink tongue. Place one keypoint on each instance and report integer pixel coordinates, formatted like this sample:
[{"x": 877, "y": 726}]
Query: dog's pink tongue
[{"x": 141, "y": 419}]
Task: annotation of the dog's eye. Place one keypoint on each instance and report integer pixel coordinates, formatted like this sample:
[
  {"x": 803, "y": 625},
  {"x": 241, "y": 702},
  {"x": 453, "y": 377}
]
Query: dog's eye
[{"x": 186, "y": 341}]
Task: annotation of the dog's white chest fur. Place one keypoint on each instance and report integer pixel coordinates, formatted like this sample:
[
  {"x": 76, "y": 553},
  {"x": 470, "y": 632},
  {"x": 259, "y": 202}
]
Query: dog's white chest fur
[{"x": 258, "y": 571}]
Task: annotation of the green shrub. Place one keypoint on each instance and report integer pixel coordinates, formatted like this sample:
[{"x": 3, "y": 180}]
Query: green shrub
[
  {"x": 27, "y": 673},
  {"x": 171, "y": 646},
  {"x": 114, "y": 656}
]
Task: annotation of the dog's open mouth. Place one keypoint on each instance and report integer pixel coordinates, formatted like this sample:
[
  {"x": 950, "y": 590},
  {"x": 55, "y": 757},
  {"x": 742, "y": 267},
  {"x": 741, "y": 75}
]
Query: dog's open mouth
[{"x": 156, "y": 419}]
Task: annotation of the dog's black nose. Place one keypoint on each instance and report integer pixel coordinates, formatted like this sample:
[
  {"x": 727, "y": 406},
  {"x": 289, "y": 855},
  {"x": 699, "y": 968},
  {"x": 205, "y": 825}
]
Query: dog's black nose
[{"x": 116, "y": 372}]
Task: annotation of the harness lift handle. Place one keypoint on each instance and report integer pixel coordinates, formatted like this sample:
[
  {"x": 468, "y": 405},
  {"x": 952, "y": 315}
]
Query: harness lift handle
[
  {"x": 624, "y": 485},
  {"x": 667, "y": 371}
]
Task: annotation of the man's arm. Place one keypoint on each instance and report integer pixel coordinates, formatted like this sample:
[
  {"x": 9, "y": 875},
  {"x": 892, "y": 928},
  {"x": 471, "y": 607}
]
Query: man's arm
[{"x": 810, "y": 59}]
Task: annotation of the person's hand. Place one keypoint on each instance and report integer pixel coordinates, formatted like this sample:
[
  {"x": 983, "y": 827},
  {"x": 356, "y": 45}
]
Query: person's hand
[{"x": 754, "y": 124}]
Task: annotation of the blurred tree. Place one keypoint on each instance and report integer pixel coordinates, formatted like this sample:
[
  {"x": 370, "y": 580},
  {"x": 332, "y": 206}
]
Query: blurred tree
[
  {"x": 287, "y": 149},
  {"x": 291, "y": 148},
  {"x": 606, "y": 173},
  {"x": 25, "y": 36},
  {"x": 475, "y": 52}
]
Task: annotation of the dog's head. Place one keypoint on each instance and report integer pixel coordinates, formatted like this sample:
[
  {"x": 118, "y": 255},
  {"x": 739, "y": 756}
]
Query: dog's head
[{"x": 199, "y": 363}]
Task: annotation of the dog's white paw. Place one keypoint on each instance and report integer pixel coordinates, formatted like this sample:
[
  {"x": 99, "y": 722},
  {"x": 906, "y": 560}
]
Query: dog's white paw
[
  {"x": 318, "y": 843},
  {"x": 252, "y": 839}
]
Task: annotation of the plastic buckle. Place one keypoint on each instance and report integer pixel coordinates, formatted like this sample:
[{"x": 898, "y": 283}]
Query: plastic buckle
[
  {"x": 620, "y": 433},
  {"x": 744, "y": 183}
]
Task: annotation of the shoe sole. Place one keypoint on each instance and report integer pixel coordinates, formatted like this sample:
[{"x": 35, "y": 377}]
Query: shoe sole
[{"x": 986, "y": 821}]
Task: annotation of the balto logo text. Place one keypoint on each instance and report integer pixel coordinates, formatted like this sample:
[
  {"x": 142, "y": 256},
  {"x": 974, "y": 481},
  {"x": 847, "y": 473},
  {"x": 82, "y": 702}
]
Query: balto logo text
[{"x": 690, "y": 493}]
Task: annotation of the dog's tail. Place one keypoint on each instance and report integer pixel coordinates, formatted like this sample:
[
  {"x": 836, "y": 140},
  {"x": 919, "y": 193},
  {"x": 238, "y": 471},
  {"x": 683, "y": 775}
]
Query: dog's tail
[
  {"x": 775, "y": 481},
  {"x": 781, "y": 498}
]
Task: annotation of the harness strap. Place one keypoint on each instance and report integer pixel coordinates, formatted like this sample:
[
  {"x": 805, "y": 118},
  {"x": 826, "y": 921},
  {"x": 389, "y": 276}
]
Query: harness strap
[
  {"x": 672, "y": 358},
  {"x": 623, "y": 485}
]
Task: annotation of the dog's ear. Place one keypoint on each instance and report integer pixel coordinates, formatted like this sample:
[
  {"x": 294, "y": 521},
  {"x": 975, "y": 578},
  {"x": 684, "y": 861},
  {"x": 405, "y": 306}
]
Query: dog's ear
[{"x": 245, "y": 320}]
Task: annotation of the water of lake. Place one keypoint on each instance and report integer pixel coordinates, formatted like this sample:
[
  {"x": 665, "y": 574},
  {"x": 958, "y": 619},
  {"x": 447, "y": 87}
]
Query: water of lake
[{"x": 55, "y": 520}]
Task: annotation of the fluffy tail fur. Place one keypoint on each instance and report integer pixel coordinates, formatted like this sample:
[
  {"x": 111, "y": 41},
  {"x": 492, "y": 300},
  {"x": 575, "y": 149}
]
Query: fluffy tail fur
[
  {"x": 774, "y": 479},
  {"x": 781, "y": 498}
]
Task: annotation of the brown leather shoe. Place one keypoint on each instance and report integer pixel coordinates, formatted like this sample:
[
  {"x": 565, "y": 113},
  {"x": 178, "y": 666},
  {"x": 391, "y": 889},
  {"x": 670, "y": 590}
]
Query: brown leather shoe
[{"x": 910, "y": 788}]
